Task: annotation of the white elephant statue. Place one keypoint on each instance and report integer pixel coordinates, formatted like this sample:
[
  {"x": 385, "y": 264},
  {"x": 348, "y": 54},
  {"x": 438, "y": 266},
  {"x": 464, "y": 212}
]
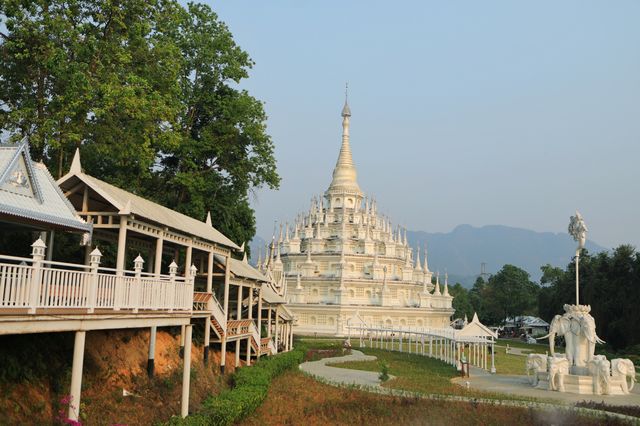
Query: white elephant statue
[
  {"x": 536, "y": 363},
  {"x": 558, "y": 368},
  {"x": 624, "y": 367},
  {"x": 600, "y": 369},
  {"x": 579, "y": 331}
]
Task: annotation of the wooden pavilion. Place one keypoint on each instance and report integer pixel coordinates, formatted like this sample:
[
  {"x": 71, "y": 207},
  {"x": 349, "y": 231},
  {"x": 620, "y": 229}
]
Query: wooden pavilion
[{"x": 38, "y": 294}]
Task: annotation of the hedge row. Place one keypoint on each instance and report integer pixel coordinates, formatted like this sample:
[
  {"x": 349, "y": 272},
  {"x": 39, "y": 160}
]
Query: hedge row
[{"x": 249, "y": 390}]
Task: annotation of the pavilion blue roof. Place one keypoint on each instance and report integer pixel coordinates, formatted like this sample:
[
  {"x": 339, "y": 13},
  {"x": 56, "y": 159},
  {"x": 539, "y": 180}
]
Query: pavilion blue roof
[{"x": 30, "y": 195}]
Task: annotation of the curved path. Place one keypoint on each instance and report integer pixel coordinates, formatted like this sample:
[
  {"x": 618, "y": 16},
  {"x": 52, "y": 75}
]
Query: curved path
[
  {"x": 368, "y": 381},
  {"x": 342, "y": 376}
]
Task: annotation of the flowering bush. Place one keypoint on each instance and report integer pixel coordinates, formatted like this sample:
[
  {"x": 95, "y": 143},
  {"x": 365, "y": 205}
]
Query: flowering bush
[{"x": 65, "y": 405}]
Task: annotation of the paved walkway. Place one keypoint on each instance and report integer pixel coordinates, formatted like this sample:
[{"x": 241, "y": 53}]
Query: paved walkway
[
  {"x": 369, "y": 381},
  {"x": 516, "y": 351},
  {"x": 519, "y": 385},
  {"x": 343, "y": 376}
]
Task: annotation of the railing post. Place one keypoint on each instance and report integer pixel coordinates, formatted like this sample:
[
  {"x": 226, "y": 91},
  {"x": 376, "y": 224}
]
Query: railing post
[
  {"x": 138, "y": 263},
  {"x": 188, "y": 295},
  {"x": 94, "y": 263},
  {"x": 38, "y": 249},
  {"x": 173, "y": 268}
]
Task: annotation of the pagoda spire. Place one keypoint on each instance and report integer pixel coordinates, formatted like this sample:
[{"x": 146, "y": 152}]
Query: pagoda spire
[
  {"x": 418, "y": 266},
  {"x": 344, "y": 174},
  {"x": 259, "y": 264},
  {"x": 446, "y": 283},
  {"x": 437, "y": 290},
  {"x": 426, "y": 264}
]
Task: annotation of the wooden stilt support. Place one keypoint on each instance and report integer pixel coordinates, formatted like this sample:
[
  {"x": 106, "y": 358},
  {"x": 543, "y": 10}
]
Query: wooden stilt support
[
  {"x": 152, "y": 351},
  {"x": 186, "y": 371},
  {"x": 76, "y": 375}
]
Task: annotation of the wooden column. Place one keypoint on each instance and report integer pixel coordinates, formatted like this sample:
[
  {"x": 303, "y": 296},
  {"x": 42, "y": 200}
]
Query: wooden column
[
  {"x": 52, "y": 235},
  {"x": 207, "y": 321},
  {"x": 260, "y": 318},
  {"x": 87, "y": 255},
  {"x": 85, "y": 199},
  {"x": 207, "y": 339},
  {"x": 277, "y": 325},
  {"x": 210, "y": 272},
  {"x": 250, "y": 312},
  {"x": 157, "y": 259},
  {"x": 225, "y": 302},
  {"x": 188, "y": 260},
  {"x": 239, "y": 317},
  {"x": 186, "y": 372},
  {"x": 152, "y": 351},
  {"x": 182, "y": 340},
  {"x": 122, "y": 244},
  {"x": 291, "y": 336},
  {"x": 76, "y": 375}
]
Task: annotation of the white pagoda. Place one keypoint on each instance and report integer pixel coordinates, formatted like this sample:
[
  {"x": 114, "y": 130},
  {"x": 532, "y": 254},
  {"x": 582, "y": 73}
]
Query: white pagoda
[{"x": 343, "y": 264}]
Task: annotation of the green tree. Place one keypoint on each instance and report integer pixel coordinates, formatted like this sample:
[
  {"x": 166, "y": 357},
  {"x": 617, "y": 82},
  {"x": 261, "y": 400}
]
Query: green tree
[
  {"x": 476, "y": 298},
  {"x": 149, "y": 91},
  {"x": 225, "y": 150},
  {"x": 461, "y": 301},
  {"x": 509, "y": 293},
  {"x": 610, "y": 284},
  {"x": 94, "y": 74}
]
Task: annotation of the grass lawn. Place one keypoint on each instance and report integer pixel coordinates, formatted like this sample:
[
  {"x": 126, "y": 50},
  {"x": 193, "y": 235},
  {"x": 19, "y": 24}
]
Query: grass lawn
[
  {"x": 509, "y": 363},
  {"x": 517, "y": 343},
  {"x": 295, "y": 399},
  {"x": 419, "y": 373}
]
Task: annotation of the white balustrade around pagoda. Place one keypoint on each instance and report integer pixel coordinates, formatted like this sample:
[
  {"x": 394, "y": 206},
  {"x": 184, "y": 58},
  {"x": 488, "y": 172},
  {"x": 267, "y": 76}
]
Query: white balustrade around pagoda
[
  {"x": 446, "y": 344},
  {"x": 34, "y": 283}
]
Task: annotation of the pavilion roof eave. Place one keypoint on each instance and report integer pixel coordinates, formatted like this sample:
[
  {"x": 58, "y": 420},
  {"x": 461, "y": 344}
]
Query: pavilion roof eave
[
  {"x": 42, "y": 204},
  {"x": 243, "y": 270},
  {"x": 121, "y": 199},
  {"x": 271, "y": 297},
  {"x": 44, "y": 220}
]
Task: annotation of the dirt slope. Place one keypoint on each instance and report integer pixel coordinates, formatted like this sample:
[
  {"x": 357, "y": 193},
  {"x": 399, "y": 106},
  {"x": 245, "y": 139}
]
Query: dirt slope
[{"x": 114, "y": 360}]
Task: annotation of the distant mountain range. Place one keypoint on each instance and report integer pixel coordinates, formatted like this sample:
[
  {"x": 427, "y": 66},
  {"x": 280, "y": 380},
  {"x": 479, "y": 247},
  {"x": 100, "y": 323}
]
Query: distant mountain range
[{"x": 462, "y": 250}]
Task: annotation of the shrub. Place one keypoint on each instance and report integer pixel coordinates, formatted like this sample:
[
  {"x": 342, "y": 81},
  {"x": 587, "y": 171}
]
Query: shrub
[
  {"x": 250, "y": 387},
  {"x": 384, "y": 372}
]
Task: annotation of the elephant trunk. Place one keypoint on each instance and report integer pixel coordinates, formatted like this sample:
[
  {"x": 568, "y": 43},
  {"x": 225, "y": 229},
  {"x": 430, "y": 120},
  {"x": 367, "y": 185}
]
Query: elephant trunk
[{"x": 552, "y": 341}]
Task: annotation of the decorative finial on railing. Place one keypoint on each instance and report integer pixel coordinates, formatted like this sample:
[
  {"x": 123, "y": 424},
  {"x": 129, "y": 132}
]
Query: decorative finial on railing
[
  {"x": 95, "y": 256},
  {"x": 173, "y": 268},
  {"x": 138, "y": 262},
  {"x": 38, "y": 248}
]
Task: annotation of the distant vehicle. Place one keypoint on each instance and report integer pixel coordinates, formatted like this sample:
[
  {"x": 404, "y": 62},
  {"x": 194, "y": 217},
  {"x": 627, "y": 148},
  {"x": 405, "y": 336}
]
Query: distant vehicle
[{"x": 531, "y": 340}]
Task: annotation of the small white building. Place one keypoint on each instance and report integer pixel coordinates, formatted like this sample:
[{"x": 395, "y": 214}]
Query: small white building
[{"x": 527, "y": 324}]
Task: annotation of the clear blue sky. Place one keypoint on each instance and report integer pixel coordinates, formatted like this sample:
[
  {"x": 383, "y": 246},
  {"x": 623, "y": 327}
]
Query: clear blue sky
[{"x": 478, "y": 112}]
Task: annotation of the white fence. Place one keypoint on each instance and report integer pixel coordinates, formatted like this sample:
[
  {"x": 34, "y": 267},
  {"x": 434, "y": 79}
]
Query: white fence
[
  {"x": 33, "y": 283},
  {"x": 445, "y": 344}
]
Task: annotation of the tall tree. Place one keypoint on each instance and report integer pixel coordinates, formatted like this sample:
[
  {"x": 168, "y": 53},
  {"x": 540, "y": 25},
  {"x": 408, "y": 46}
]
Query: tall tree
[
  {"x": 461, "y": 301},
  {"x": 225, "y": 150},
  {"x": 610, "y": 284},
  {"x": 477, "y": 298},
  {"x": 148, "y": 89},
  {"x": 509, "y": 293}
]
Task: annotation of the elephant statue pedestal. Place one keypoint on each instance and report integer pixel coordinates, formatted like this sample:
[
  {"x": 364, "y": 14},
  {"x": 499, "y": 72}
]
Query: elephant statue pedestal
[{"x": 579, "y": 370}]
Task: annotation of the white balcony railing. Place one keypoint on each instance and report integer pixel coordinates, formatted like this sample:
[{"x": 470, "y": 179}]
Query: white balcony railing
[{"x": 34, "y": 283}]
